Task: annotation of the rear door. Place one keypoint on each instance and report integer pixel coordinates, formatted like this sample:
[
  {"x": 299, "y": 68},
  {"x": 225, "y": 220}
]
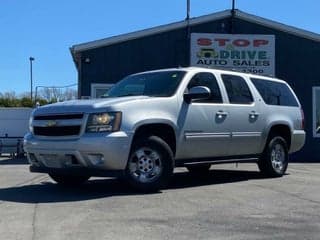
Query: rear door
[{"x": 244, "y": 112}]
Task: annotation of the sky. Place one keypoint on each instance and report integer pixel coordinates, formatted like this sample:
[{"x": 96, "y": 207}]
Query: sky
[{"x": 45, "y": 30}]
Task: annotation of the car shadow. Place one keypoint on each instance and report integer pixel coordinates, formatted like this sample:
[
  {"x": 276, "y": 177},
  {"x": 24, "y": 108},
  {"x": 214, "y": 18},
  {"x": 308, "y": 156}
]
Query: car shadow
[
  {"x": 47, "y": 192},
  {"x": 212, "y": 177}
]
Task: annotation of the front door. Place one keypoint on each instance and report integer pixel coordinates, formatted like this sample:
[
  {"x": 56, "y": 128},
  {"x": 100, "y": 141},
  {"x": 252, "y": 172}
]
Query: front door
[{"x": 204, "y": 123}]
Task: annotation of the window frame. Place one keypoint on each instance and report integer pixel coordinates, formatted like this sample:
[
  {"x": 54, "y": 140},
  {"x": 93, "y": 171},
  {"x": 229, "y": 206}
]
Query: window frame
[
  {"x": 96, "y": 86},
  {"x": 315, "y": 89}
]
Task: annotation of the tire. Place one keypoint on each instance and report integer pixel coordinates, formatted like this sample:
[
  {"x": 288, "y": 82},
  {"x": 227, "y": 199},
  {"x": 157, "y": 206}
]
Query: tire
[
  {"x": 69, "y": 180},
  {"x": 274, "y": 160},
  {"x": 150, "y": 164},
  {"x": 199, "y": 169}
]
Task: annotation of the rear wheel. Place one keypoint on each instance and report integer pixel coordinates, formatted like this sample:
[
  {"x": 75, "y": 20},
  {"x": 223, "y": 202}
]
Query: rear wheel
[
  {"x": 199, "y": 169},
  {"x": 274, "y": 160},
  {"x": 69, "y": 180},
  {"x": 150, "y": 164}
]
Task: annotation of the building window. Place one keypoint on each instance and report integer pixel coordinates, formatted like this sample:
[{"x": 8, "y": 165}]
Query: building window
[
  {"x": 316, "y": 111},
  {"x": 99, "y": 89}
]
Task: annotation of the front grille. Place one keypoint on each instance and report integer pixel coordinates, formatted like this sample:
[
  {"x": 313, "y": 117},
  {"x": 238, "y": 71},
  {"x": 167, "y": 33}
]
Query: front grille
[
  {"x": 57, "y": 131},
  {"x": 58, "y": 125},
  {"x": 59, "y": 117}
]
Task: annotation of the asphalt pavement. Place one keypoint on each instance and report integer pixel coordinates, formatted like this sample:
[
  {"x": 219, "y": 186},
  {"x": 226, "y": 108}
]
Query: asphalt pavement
[{"x": 229, "y": 202}]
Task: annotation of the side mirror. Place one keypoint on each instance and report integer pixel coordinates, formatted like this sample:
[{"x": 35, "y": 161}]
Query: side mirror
[{"x": 197, "y": 93}]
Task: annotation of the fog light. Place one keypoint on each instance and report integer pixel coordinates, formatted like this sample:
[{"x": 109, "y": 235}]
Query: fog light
[
  {"x": 71, "y": 160},
  {"x": 96, "y": 159}
]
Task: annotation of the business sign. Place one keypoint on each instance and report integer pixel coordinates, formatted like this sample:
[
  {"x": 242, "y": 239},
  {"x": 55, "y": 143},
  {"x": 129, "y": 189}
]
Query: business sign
[{"x": 245, "y": 53}]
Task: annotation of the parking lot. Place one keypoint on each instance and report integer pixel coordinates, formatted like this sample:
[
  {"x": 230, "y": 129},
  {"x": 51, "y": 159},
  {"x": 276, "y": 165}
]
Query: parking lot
[{"x": 228, "y": 203}]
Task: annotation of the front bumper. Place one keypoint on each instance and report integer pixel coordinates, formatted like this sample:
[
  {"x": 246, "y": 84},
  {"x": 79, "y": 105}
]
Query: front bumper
[{"x": 90, "y": 151}]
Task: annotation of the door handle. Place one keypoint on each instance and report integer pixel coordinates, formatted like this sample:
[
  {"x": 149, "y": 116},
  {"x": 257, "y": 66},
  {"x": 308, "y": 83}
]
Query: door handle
[
  {"x": 253, "y": 114},
  {"x": 221, "y": 114}
]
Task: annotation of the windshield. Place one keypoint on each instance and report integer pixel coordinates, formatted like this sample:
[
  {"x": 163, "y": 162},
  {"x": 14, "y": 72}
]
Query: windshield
[{"x": 154, "y": 84}]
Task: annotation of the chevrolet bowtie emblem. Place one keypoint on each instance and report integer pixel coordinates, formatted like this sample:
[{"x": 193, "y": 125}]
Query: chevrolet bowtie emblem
[{"x": 51, "y": 123}]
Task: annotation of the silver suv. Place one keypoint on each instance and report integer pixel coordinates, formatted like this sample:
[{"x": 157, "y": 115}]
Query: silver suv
[{"x": 154, "y": 121}]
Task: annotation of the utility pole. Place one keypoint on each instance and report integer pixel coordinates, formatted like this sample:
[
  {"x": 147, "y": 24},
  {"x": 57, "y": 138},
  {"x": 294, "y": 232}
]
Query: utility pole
[
  {"x": 188, "y": 10},
  {"x": 31, "y": 59},
  {"x": 188, "y": 33},
  {"x": 233, "y": 5},
  {"x": 233, "y": 13}
]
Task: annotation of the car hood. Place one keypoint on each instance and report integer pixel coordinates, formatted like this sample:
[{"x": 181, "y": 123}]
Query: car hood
[{"x": 83, "y": 106}]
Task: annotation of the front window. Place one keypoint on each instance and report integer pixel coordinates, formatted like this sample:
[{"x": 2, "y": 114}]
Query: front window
[
  {"x": 153, "y": 84},
  {"x": 208, "y": 80}
]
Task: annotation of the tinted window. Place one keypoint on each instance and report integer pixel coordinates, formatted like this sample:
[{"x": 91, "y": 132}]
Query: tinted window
[
  {"x": 207, "y": 80},
  {"x": 275, "y": 93},
  {"x": 157, "y": 84},
  {"x": 237, "y": 89}
]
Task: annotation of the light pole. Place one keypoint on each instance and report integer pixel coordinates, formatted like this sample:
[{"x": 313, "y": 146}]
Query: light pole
[{"x": 31, "y": 59}]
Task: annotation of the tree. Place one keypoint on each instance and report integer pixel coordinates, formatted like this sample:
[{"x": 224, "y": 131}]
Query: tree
[
  {"x": 45, "y": 96},
  {"x": 9, "y": 99},
  {"x": 56, "y": 94},
  {"x": 26, "y": 102}
]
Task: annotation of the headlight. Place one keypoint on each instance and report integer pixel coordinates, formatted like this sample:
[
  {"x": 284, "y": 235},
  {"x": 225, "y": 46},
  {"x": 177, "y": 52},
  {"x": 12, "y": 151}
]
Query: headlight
[
  {"x": 31, "y": 121},
  {"x": 30, "y": 124},
  {"x": 104, "y": 122}
]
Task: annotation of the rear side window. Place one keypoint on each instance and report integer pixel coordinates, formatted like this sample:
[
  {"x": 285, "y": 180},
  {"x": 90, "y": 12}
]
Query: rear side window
[
  {"x": 237, "y": 89},
  {"x": 275, "y": 93},
  {"x": 207, "y": 80}
]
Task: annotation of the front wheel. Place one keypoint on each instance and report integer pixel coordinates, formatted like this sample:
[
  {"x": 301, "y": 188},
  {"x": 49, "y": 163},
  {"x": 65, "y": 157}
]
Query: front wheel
[
  {"x": 69, "y": 180},
  {"x": 150, "y": 164},
  {"x": 274, "y": 160}
]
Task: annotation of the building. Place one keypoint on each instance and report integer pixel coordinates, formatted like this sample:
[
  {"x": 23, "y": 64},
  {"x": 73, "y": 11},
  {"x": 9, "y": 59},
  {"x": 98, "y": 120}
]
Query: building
[{"x": 227, "y": 39}]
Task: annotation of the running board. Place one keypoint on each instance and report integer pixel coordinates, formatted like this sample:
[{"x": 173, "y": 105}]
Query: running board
[{"x": 234, "y": 160}]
